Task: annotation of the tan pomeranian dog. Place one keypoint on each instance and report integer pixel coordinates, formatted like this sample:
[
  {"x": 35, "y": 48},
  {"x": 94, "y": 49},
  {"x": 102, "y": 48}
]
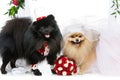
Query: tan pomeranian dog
[{"x": 81, "y": 47}]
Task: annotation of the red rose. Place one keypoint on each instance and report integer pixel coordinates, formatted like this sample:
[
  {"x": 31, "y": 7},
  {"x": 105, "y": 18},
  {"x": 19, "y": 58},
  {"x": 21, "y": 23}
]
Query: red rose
[{"x": 15, "y": 2}]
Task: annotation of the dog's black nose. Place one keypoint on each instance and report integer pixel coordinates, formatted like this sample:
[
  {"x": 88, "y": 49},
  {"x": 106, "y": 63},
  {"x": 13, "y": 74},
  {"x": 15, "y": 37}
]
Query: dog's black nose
[{"x": 77, "y": 40}]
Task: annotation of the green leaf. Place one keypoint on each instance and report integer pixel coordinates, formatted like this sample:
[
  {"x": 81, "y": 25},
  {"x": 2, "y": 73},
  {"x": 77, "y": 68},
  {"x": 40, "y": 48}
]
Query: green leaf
[
  {"x": 116, "y": 0},
  {"x": 118, "y": 12},
  {"x": 115, "y": 9},
  {"x": 21, "y": 6},
  {"x": 113, "y": 5},
  {"x": 113, "y": 2},
  {"x": 113, "y": 13},
  {"x": 10, "y": 2},
  {"x": 5, "y": 13},
  {"x": 12, "y": 11}
]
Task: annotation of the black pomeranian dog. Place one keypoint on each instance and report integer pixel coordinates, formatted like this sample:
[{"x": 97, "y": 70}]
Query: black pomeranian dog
[{"x": 33, "y": 41}]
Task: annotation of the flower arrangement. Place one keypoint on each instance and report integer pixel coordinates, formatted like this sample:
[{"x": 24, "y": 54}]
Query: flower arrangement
[
  {"x": 116, "y": 8},
  {"x": 15, "y": 6}
]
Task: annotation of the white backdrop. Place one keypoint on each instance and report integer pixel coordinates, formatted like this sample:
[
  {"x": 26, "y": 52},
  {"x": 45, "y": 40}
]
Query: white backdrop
[
  {"x": 70, "y": 11},
  {"x": 65, "y": 11}
]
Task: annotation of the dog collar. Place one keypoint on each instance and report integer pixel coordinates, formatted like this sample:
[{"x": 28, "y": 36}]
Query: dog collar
[{"x": 44, "y": 50}]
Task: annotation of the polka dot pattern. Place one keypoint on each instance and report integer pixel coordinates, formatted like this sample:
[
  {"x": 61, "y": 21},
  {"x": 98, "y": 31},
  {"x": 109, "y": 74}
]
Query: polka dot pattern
[{"x": 65, "y": 66}]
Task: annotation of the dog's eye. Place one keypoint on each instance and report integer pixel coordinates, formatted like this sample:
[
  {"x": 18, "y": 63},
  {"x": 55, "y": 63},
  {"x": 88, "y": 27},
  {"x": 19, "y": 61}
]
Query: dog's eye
[
  {"x": 72, "y": 36},
  {"x": 80, "y": 36}
]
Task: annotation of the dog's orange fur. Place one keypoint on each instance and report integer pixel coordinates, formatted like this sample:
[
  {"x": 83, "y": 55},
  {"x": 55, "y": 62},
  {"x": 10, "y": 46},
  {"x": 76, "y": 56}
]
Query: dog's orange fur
[{"x": 83, "y": 53}]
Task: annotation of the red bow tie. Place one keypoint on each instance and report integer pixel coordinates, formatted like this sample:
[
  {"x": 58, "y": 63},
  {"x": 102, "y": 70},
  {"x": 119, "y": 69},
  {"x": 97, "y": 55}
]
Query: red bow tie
[{"x": 44, "y": 50}]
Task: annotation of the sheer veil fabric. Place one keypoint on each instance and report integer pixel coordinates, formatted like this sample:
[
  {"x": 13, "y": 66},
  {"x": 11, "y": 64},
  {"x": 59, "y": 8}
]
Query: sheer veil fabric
[{"x": 108, "y": 49}]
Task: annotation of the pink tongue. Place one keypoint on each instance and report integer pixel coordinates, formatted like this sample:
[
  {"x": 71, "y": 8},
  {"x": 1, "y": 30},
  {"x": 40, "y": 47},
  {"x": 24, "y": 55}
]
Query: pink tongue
[
  {"x": 47, "y": 35},
  {"x": 77, "y": 45}
]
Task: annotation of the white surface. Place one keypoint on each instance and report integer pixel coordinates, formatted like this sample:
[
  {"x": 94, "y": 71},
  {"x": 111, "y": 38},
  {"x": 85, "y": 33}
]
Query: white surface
[{"x": 21, "y": 74}]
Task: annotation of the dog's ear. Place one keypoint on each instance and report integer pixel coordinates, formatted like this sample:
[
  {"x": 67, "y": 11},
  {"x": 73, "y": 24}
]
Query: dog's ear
[
  {"x": 50, "y": 17},
  {"x": 35, "y": 25}
]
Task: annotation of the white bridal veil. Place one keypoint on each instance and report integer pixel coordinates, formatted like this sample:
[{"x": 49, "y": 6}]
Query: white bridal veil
[{"x": 108, "y": 49}]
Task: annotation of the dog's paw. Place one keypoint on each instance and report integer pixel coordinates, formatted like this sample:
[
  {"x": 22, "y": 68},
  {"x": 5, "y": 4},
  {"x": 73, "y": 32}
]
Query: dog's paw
[
  {"x": 52, "y": 70},
  {"x": 13, "y": 66},
  {"x": 3, "y": 72},
  {"x": 81, "y": 72},
  {"x": 36, "y": 72}
]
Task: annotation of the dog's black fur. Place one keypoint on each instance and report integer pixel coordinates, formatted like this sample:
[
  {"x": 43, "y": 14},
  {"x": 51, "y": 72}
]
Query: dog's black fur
[{"x": 20, "y": 38}]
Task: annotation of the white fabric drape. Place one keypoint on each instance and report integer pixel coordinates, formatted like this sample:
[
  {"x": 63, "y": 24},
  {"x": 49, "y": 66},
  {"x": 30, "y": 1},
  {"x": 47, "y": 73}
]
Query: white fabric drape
[{"x": 108, "y": 50}]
